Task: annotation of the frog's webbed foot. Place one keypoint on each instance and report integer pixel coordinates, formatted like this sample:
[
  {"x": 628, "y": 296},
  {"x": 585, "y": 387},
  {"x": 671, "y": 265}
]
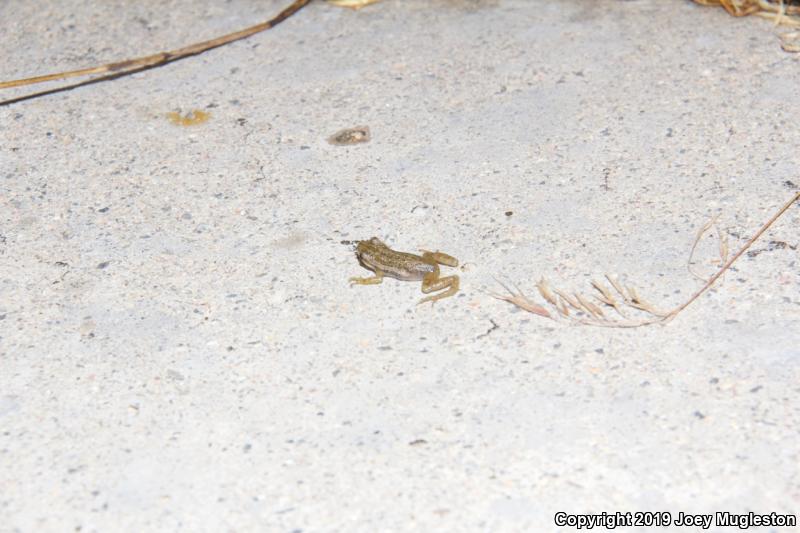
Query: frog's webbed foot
[
  {"x": 432, "y": 284},
  {"x": 440, "y": 257},
  {"x": 374, "y": 280}
]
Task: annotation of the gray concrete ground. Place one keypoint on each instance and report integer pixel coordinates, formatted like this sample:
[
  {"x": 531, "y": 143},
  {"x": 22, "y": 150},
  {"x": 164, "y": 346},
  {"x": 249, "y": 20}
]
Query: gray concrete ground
[{"x": 179, "y": 346}]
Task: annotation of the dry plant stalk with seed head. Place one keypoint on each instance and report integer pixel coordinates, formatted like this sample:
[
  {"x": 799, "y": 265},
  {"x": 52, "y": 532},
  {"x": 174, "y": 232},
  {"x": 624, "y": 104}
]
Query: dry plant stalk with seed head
[{"x": 623, "y": 300}]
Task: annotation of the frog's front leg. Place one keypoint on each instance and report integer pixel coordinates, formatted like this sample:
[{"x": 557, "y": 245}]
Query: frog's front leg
[
  {"x": 440, "y": 257},
  {"x": 432, "y": 282},
  {"x": 374, "y": 280}
]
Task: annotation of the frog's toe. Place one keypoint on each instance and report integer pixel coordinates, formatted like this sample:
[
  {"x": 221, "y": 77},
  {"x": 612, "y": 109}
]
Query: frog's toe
[
  {"x": 432, "y": 299},
  {"x": 366, "y": 281}
]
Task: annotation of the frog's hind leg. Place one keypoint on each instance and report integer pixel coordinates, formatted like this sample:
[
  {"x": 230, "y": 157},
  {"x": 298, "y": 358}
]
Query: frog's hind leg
[
  {"x": 374, "y": 280},
  {"x": 431, "y": 283},
  {"x": 440, "y": 257}
]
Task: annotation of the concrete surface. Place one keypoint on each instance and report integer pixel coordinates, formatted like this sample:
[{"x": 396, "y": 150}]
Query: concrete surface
[{"x": 179, "y": 346}]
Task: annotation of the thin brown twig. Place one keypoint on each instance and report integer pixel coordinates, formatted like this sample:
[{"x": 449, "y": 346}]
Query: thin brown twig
[
  {"x": 733, "y": 259},
  {"x": 130, "y": 66}
]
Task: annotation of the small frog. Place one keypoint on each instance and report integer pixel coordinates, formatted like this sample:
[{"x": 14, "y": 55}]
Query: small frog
[{"x": 376, "y": 256}]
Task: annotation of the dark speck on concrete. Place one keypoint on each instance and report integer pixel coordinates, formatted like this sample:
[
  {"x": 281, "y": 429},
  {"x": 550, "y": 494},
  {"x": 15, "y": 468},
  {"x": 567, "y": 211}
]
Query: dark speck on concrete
[{"x": 103, "y": 265}]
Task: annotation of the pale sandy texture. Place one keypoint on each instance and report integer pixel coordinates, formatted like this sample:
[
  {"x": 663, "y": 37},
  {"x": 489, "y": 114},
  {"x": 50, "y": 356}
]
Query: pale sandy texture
[{"x": 179, "y": 347}]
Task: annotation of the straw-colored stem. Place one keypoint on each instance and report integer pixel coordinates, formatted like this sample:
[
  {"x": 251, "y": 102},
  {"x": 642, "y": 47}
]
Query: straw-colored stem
[{"x": 162, "y": 58}]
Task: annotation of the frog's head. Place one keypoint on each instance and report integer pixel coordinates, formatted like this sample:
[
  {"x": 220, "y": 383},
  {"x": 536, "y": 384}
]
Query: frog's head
[
  {"x": 368, "y": 246},
  {"x": 366, "y": 250}
]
